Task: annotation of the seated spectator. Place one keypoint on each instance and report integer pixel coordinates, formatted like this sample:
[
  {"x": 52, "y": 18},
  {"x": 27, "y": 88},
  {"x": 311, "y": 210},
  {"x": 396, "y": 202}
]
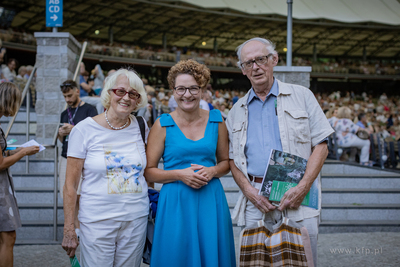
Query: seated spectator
[
  {"x": 85, "y": 88},
  {"x": 98, "y": 80},
  {"x": 364, "y": 124},
  {"x": 346, "y": 134},
  {"x": 331, "y": 116},
  {"x": 21, "y": 72},
  {"x": 8, "y": 72}
]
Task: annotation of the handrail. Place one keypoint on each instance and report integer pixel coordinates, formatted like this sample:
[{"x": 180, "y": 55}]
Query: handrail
[
  {"x": 74, "y": 78},
  {"x": 55, "y": 195},
  {"x": 25, "y": 94}
]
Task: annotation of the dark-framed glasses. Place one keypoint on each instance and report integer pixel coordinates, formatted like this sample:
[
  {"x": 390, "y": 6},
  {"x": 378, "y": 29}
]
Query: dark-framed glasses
[
  {"x": 121, "y": 93},
  {"x": 181, "y": 90},
  {"x": 258, "y": 60}
]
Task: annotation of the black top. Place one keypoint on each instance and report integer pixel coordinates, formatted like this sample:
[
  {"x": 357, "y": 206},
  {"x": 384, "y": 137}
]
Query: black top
[{"x": 83, "y": 112}]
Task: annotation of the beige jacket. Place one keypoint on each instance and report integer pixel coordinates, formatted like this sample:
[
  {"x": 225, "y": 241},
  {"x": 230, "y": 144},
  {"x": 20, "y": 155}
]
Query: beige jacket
[{"x": 302, "y": 125}]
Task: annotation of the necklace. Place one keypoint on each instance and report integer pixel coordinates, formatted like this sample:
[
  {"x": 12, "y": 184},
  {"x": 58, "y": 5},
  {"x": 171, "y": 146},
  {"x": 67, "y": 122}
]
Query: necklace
[{"x": 112, "y": 127}]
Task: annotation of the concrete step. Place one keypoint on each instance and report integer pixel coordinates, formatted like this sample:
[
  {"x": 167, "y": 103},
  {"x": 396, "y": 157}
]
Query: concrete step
[
  {"x": 39, "y": 230},
  {"x": 28, "y": 242},
  {"x": 338, "y": 167},
  {"x": 359, "y": 226},
  {"x": 362, "y": 196},
  {"x": 40, "y": 214},
  {"x": 370, "y": 181},
  {"x": 20, "y": 127},
  {"x": 21, "y": 116},
  {"x": 36, "y": 166},
  {"x": 227, "y": 181},
  {"x": 36, "y": 197},
  {"x": 357, "y": 211},
  {"x": 33, "y": 181}
]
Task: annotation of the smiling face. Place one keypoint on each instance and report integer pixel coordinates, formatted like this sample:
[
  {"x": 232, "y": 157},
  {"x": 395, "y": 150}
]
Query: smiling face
[
  {"x": 261, "y": 77},
  {"x": 187, "y": 101},
  {"x": 122, "y": 106}
]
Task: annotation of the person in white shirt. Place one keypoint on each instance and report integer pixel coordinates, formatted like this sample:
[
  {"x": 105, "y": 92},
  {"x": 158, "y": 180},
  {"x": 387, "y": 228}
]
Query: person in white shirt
[
  {"x": 108, "y": 150},
  {"x": 8, "y": 72}
]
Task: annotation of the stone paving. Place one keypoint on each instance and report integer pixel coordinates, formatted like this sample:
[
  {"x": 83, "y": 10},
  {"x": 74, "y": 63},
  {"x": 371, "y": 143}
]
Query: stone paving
[{"x": 343, "y": 250}]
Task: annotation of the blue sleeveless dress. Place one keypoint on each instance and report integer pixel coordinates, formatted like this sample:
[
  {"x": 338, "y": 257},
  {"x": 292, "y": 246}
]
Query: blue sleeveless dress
[{"x": 193, "y": 226}]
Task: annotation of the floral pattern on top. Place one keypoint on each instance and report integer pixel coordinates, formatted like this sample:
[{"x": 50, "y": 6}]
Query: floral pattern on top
[{"x": 345, "y": 131}]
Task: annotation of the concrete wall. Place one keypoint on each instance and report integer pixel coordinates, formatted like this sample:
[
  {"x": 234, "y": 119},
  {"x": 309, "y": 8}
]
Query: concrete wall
[
  {"x": 295, "y": 75},
  {"x": 56, "y": 60}
]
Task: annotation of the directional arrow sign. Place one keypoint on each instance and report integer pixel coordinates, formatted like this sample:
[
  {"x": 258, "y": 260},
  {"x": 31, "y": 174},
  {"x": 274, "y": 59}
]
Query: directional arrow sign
[{"x": 54, "y": 13}]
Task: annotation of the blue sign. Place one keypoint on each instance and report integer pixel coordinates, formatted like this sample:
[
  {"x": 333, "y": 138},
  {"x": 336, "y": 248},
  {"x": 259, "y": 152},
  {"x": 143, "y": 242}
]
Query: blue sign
[{"x": 54, "y": 13}]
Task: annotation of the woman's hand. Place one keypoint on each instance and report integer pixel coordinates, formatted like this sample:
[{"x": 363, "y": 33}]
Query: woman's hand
[
  {"x": 191, "y": 178},
  {"x": 206, "y": 172},
  {"x": 30, "y": 150},
  {"x": 70, "y": 242}
]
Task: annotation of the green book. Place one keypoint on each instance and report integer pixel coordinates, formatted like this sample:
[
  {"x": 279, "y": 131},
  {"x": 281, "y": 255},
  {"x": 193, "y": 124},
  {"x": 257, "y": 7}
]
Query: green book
[
  {"x": 74, "y": 262},
  {"x": 279, "y": 188}
]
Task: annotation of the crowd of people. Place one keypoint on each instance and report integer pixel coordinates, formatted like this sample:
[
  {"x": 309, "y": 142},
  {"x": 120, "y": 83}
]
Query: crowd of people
[
  {"x": 356, "y": 117},
  {"x": 212, "y": 58},
  {"x": 201, "y": 133}
]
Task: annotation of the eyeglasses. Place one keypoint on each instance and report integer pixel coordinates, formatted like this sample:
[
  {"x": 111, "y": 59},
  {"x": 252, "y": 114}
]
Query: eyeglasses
[
  {"x": 121, "y": 93},
  {"x": 181, "y": 90},
  {"x": 258, "y": 60}
]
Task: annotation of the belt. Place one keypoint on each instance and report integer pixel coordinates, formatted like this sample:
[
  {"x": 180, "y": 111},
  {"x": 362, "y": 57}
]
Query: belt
[{"x": 255, "y": 179}]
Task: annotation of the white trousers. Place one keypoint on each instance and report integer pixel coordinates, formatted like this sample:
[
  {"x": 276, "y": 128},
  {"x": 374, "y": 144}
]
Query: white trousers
[
  {"x": 360, "y": 144},
  {"x": 253, "y": 215},
  {"x": 113, "y": 243}
]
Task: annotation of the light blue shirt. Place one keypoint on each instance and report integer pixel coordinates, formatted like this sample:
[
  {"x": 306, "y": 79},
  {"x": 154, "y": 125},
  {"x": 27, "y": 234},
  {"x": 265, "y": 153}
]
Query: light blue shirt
[
  {"x": 359, "y": 123},
  {"x": 262, "y": 131}
]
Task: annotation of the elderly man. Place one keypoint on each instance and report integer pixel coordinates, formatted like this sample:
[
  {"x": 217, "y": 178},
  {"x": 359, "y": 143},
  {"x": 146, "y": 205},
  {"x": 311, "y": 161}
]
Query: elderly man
[{"x": 274, "y": 115}]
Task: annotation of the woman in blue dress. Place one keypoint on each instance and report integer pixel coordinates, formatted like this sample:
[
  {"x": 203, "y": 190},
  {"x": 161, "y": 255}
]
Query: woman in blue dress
[{"x": 193, "y": 225}]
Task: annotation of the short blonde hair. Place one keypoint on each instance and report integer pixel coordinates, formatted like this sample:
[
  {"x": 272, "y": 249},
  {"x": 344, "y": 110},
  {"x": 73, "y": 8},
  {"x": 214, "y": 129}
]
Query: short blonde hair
[
  {"x": 10, "y": 99},
  {"x": 134, "y": 81},
  {"x": 344, "y": 113}
]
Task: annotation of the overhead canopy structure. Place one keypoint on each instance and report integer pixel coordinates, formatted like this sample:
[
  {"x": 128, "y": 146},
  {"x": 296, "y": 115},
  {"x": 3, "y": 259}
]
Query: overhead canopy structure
[{"x": 334, "y": 27}]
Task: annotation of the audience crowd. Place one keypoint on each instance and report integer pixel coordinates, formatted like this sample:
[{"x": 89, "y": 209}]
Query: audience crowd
[
  {"x": 377, "y": 117},
  {"x": 212, "y": 58}
]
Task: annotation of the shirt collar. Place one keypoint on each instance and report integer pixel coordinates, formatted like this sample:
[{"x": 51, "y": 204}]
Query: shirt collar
[{"x": 274, "y": 91}]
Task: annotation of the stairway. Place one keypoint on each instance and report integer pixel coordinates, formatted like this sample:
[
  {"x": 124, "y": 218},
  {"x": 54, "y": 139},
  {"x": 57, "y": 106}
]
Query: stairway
[
  {"x": 34, "y": 191},
  {"x": 359, "y": 199},
  {"x": 354, "y": 198}
]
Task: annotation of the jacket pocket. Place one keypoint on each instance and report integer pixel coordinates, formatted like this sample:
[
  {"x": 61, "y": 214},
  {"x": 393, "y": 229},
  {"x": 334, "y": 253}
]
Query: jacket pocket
[{"x": 298, "y": 125}]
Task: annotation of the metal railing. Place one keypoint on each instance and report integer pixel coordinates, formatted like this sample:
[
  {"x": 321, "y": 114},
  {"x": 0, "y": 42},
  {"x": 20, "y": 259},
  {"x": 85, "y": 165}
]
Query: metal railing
[
  {"x": 26, "y": 93},
  {"x": 54, "y": 145}
]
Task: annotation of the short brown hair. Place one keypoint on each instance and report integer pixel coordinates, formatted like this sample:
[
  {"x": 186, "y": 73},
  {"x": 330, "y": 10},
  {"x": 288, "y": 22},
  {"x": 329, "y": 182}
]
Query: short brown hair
[
  {"x": 10, "y": 99},
  {"x": 68, "y": 85},
  {"x": 198, "y": 71}
]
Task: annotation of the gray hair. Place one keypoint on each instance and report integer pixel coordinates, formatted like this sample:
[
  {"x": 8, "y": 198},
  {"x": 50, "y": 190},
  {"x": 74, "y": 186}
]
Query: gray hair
[
  {"x": 269, "y": 44},
  {"x": 134, "y": 82}
]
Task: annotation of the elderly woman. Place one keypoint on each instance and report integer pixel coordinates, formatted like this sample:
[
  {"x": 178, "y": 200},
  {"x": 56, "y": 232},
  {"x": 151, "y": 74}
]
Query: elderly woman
[
  {"x": 346, "y": 134},
  {"x": 193, "y": 224},
  {"x": 10, "y": 99},
  {"x": 109, "y": 152}
]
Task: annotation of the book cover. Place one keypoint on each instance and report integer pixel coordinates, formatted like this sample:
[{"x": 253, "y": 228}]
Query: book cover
[
  {"x": 279, "y": 189},
  {"x": 289, "y": 168}
]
